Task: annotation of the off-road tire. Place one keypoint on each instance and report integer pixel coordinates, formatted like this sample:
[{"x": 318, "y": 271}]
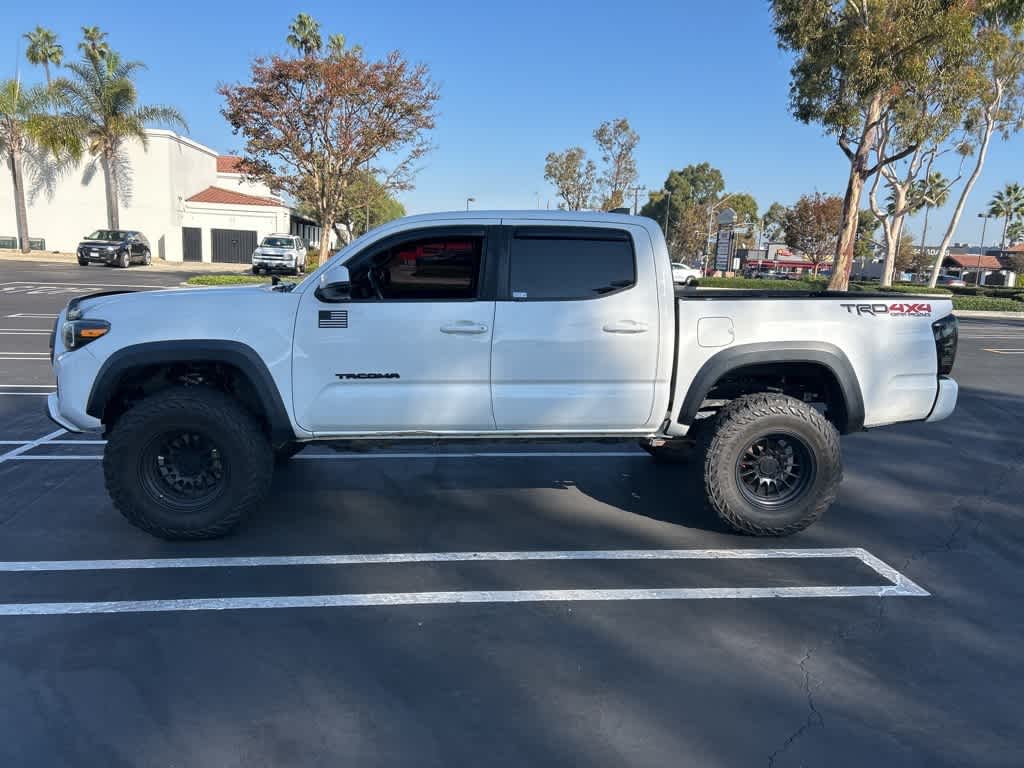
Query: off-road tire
[
  {"x": 283, "y": 454},
  {"x": 242, "y": 445},
  {"x": 739, "y": 424}
]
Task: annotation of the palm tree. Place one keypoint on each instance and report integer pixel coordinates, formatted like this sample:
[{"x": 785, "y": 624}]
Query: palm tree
[
  {"x": 27, "y": 131},
  {"x": 1015, "y": 233},
  {"x": 1008, "y": 203},
  {"x": 304, "y": 34},
  {"x": 94, "y": 43},
  {"x": 102, "y": 102},
  {"x": 930, "y": 192},
  {"x": 336, "y": 45},
  {"x": 44, "y": 49}
]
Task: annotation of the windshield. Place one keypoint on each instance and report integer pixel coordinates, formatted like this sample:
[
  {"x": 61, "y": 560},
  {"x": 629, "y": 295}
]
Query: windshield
[
  {"x": 278, "y": 242},
  {"x": 108, "y": 234}
]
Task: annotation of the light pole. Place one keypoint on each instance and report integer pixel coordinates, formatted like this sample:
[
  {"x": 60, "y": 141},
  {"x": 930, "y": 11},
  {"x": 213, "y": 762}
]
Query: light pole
[
  {"x": 984, "y": 223},
  {"x": 469, "y": 200}
]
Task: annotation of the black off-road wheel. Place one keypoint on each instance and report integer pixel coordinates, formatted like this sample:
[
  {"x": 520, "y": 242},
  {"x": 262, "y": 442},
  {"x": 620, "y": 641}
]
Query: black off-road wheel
[
  {"x": 187, "y": 463},
  {"x": 772, "y": 465}
]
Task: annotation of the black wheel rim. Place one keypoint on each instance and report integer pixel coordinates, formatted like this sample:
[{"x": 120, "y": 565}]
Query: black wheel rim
[
  {"x": 775, "y": 470},
  {"x": 183, "y": 470}
]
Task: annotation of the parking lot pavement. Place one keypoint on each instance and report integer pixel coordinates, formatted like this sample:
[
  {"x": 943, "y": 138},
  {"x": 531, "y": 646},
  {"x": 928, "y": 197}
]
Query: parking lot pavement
[{"x": 538, "y": 605}]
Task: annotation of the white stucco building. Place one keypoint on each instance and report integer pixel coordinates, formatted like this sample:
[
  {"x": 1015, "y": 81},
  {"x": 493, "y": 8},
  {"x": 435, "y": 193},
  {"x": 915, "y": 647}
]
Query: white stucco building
[{"x": 189, "y": 201}]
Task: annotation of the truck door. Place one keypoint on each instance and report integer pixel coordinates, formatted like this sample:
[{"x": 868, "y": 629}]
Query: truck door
[
  {"x": 576, "y": 329},
  {"x": 410, "y": 350}
]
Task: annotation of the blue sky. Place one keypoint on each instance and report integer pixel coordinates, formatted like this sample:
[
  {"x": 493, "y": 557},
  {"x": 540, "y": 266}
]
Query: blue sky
[{"x": 698, "y": 81}]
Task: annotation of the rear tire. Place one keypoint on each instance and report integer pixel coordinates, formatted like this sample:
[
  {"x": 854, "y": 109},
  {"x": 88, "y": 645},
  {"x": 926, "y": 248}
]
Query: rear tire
[
  {"x": 187, "y": 463},
  {"x": 772, "y": 465}
]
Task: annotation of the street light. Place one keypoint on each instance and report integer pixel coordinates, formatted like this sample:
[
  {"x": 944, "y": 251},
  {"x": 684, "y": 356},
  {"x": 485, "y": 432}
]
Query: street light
[
  {"x": 469, "y": 200},
  {"x": 984, "y": 223}
]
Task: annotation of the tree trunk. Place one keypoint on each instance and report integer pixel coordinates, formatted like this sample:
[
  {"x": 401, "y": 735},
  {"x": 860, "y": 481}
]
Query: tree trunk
[
  {"x": 20, "y": 209},
  {"x": 990, "y": 125},
  {"x": 326, "y": 227},
  {"x": 110, "y": 182},
  {"x": 1006, "y": 223}
]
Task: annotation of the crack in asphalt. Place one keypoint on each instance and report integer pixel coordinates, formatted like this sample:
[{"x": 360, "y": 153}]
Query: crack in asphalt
[{"x": 960, "y": 522}]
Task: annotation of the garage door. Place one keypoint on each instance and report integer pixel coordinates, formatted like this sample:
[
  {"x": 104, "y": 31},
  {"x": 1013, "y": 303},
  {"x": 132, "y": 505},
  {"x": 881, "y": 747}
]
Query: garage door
[
  {"x": 233, "y": 246},
  {"x": 192, "y": 243}
]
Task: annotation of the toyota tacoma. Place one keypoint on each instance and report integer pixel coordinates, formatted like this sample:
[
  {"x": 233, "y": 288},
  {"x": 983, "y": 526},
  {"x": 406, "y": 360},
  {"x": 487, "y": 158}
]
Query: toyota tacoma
[{"x": 489, "y": 326}]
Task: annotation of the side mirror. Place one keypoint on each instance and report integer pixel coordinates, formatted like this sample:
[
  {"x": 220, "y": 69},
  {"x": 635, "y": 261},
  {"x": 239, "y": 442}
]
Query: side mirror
[{"x": 335, "y": 285}]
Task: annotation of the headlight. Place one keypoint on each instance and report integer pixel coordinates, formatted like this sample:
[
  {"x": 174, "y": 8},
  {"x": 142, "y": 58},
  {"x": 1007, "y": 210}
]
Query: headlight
[{"x": 78, "y": 333}]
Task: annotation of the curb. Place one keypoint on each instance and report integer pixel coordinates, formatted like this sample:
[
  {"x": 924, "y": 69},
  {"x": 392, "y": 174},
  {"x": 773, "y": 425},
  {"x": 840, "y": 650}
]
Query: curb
[{"x": 986, "y": 313}]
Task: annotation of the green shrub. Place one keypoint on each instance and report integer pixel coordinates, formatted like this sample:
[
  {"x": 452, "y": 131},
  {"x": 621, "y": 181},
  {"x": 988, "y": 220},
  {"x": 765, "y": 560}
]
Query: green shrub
[
  {"x": 899, "y": 288},
  {"x": 987, "y": 304},
  {"x": 764, "y": 285},
  {"x": 226, "y": 279},
  {"x": 312, "y": 259}
]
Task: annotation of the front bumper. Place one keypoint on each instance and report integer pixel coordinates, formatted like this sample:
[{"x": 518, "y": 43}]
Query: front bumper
[
  {"x": 101, "y": 257},
  {"x": 273, "y": 265},
  {"x": 945, "y": 400},
  {"x": 53, "y": 411}
]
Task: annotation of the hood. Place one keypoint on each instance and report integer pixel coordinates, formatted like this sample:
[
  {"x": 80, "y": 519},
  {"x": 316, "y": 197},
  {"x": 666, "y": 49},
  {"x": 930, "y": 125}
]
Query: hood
[{"x": 90, "y": 305}]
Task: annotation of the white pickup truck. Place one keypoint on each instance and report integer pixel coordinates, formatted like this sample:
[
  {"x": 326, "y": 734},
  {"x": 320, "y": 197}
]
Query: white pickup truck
[{"x": 488, "y": 325}]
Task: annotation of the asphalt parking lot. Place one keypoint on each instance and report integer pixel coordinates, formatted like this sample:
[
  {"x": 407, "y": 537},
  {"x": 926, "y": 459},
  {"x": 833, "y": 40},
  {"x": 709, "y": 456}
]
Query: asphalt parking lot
[{"x": 496, "y": 606}]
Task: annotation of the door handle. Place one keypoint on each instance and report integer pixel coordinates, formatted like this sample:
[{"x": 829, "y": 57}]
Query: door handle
[
  {"x": 464, "y": 327},
  {"x": 626, "y": 326}
]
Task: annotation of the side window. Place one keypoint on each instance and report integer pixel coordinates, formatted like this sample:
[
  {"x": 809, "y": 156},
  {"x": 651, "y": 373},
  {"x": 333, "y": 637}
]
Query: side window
[
  {"x": 435, "y": 268},
  {"x": 555, "y": 263}
]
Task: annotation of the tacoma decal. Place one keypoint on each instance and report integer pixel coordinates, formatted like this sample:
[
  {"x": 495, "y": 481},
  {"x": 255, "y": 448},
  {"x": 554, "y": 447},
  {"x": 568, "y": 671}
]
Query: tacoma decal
[
  {"x": 893, "y": 310},
  {"x": 349, "y": 376}
]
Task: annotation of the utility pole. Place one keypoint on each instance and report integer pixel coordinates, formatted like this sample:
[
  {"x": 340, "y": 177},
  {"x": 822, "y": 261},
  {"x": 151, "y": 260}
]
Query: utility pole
[
  {"x": 668, "y": 208},
  {"x": 636, "y": 198}
]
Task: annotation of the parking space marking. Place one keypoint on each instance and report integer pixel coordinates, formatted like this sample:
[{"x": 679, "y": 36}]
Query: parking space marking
[
  {"x": 30, "y": 394},
  {"x": 16, "y": 452},
  {"x": 1005, "y": 351},
  {"x": 898, "y": 586},
  {"x": 33, "y": 316}
]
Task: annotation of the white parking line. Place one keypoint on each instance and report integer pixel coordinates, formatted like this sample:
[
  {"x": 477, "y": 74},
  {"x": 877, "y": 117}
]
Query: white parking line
[
  {"x": 898, "y": 586},
  {"x": 33, "y": 316},
  {"x": 1005, "y": 351},
  {"x": 16, "y": 452},
  {"x": 30, "y": 394}
]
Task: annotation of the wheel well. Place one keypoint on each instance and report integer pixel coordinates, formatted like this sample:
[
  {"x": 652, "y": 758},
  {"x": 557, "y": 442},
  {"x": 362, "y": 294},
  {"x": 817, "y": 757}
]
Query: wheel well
[
  {"x": 143, "y": 381},
  {"x": 810, "y": 382}
]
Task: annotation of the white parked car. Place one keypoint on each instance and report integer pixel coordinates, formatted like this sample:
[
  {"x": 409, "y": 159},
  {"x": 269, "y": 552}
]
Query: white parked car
[
  {"x": 684, "y": 274},
  {"x": 484, "y": 326},
  {"x": 280, "y": 253}
]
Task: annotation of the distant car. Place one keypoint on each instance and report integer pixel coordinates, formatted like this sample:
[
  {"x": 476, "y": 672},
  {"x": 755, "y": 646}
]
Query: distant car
[
  {"x": 949, "y": 281},
  {"x": 115, "y": 248},
  {"x": 684, "y": 274},
  {"x": 280, "y": 253}
]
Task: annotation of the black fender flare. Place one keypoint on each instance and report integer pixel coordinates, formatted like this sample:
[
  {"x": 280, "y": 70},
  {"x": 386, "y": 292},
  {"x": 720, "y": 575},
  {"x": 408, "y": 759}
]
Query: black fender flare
[
  {"x": 233, "y": 353},
  {"x": 819, "y": 352}
]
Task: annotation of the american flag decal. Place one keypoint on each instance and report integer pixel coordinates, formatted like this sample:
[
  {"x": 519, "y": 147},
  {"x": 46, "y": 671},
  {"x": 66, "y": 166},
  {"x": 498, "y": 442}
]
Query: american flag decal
[{"x": 334, "y": 318}]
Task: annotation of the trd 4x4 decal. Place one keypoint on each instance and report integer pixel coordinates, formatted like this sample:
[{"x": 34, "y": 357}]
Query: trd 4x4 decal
[{"x": 894, "y": 310}]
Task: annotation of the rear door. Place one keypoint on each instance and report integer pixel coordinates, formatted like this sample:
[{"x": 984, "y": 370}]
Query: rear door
[
  {"x": 411, "y": 349},
  {"x": 576, "y": 329}
]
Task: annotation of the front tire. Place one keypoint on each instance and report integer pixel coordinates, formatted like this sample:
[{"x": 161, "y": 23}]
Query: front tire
[
  {"x": 147, "y": 258},
  {"x": 124, "y": 259},
  {"x": 83, "y": 263},
  {"x": 691, "y": 281},
  {"x": 187, "y": 463},
  {"x": 772, "y": 465}
]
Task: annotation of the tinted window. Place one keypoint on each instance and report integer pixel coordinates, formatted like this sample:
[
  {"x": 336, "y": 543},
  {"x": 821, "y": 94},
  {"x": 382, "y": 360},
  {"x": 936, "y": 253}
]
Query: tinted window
[
  {"x": 436, "y": 268},
  {"x": 567, "y": 263},
  {"x": 278, "y": 242}
]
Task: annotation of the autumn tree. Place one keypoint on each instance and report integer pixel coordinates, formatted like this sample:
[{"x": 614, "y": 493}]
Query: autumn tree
[
  {"x": 855, "y": 63},
  {"x": 812, "y": 226},
  {"x": 616, "y": 142},
  {"x": 314, "y": 125},
  {"x": 573, "y": 175}
]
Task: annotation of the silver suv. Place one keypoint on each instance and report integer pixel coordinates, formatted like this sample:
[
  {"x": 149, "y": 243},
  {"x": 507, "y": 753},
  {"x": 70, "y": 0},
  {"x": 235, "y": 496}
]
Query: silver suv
[{"x": 280, "y": 253}]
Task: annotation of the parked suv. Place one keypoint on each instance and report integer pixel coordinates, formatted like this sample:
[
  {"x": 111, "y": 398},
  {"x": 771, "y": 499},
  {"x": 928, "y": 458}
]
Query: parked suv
[
  {"x": 115, "y": 248},
  {"x": 280, "y": 253}
]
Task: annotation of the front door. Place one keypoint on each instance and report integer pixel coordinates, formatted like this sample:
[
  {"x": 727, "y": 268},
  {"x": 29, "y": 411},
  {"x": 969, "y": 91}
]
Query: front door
[
  {"x": 410, "y": 351},
  {"x": 576, "y": 334}
]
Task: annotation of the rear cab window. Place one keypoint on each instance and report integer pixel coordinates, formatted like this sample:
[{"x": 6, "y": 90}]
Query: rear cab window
[{"x": 569, "y": 263}]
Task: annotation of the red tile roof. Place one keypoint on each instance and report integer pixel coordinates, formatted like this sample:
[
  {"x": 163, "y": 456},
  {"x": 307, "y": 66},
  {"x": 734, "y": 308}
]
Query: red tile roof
[
  {"x": 1016, "y": 248},
  {"x": 230, "y": 197},
  {"x": 227, "y": 164},
  {"x": 971, "y": 260}
]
